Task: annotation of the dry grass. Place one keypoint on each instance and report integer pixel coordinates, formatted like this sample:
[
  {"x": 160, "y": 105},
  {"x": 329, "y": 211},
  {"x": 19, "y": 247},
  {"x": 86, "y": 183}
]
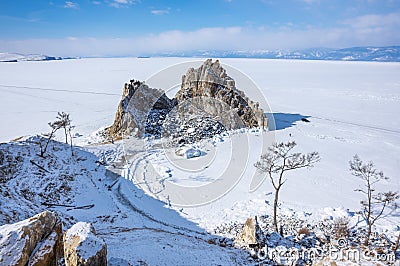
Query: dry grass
[{"x": 304, "y": 231}]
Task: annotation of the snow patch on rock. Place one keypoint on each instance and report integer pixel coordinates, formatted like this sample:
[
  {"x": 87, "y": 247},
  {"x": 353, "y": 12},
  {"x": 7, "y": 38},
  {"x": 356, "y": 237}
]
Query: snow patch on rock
[
  {"x": 82, "y": 244},
  {"x": 189, "y": 152}
]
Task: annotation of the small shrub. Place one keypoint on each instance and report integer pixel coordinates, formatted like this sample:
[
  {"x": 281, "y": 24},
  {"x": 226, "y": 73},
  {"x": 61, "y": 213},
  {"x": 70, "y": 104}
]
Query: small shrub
[
  {"x": 211, "y": 241},
  {"x": 341, "y": 227}
]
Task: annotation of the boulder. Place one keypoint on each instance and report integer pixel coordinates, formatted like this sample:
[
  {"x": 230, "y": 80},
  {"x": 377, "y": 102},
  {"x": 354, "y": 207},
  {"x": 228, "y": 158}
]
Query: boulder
[
  {"x": 38, "y": 238},
  {"x": 188, "y": 152},
  {"x": 83, "y": 247},
  {"x": 50, "y": 250}
]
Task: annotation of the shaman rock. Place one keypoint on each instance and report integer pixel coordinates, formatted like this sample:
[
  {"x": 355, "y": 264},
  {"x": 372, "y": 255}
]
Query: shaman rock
[{"x": 207, "y": 100}]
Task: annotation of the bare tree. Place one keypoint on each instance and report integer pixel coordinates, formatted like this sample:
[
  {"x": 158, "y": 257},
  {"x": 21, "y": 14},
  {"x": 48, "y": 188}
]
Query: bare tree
[
  {"x": 280, "y": 159},
  {"x": 396, "y": 246},
  {"x": 43, "y": 146},
  {"x": 64, "y": 122},
  {"x": 70, "y": 128},
  {"x": 374, "y": 205}
]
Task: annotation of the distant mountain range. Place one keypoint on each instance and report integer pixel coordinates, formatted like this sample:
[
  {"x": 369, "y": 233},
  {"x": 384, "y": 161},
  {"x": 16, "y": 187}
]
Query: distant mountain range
[
  {"x": 378, "y": 54},
  {"x": 381, "y": 54}
]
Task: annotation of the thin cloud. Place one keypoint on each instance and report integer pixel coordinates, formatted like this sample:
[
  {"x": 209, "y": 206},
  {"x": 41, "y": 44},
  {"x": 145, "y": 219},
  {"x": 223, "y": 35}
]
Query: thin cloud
[
  {"x": 72, "y": 5},
  {"x": 374, "y": 26},
  {"x": 122, "y": 3},
  {"x": 310, "y": 2},
  {"x": 159, "y": 11},
  {"x": 374, "y": 20},
  {"x": 360, "y": 33}
]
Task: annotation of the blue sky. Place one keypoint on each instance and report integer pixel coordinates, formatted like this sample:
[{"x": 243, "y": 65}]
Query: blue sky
[{"x": 133, "y": 27}]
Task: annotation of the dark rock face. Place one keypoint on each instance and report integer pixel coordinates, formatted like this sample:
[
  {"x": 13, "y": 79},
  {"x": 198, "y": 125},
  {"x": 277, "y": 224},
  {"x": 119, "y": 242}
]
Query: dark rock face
[{"x": 207, "y": 104}]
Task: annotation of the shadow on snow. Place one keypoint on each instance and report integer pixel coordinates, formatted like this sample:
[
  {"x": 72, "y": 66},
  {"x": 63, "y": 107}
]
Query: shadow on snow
[{"x": 279, "y": 121}]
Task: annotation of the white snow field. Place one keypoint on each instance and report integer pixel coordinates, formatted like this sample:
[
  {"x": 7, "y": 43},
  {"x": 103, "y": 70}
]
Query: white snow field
[{"x": 353, "y": 108}]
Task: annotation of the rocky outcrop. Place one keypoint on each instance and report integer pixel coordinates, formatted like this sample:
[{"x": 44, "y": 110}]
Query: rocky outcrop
[
  {"x": 83, "y": 247},
  {"x": 137, "y": 105},
  {"x": 210, "y": 89},
  {"x": 208, "y": 101},
  {"x": 34, "y": 241},
  {"x": 249, "y": 235},
  {"x": 39, "y": 241}
]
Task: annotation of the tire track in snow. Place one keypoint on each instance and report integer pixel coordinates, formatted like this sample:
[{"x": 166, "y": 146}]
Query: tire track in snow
[
  {"x": 59, "y": 90},
  {"x": 359, "y": 125},
  {"x": 140, "y": 165},
  {"x": 125, "y": 201}
]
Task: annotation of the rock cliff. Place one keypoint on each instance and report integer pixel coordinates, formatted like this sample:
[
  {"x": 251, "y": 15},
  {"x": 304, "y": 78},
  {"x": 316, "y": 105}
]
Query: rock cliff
[
  {"x": 138, "y": 104},
  {"x": 210, "y": 89}
]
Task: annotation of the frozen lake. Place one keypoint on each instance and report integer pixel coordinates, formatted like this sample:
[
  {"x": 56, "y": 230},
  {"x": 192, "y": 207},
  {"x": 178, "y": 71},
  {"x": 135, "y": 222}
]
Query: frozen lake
[
  {"x": 353, "y": 108},
  {"x": 31, "y": 93}
]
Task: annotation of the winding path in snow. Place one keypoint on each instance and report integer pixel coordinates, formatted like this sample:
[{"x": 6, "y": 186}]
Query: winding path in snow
[{"x": 138, "y": 169}]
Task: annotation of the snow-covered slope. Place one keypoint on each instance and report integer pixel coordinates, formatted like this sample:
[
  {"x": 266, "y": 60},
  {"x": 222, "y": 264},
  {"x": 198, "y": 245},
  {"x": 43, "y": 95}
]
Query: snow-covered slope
[
  {"x": 11, "y": 57},
  {"x": 137, "y": 228}
]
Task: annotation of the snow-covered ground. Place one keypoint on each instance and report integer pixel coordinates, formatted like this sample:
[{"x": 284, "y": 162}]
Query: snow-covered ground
[
  {"x": 137, "y": 228},
  {"x": 352, "y": 107}
]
